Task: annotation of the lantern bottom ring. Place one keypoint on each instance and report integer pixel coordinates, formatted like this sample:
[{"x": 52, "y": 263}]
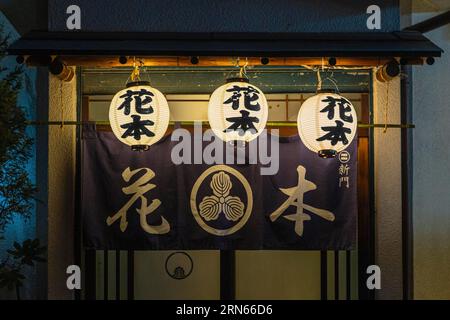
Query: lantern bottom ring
[
  {"x": 140, "y": 147},
  {"x": 327, "y": 153}
]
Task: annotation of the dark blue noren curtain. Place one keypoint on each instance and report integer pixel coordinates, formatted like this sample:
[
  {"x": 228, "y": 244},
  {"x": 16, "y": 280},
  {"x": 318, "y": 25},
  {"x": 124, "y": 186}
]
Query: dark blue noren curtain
[{"x": 143, "y": 201}]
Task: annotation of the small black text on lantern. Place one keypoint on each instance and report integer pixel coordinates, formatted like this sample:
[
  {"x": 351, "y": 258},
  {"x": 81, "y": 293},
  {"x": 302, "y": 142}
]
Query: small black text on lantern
[
  {"x": 337, "y": 133},
  {"x": 142, "y": 102},
  {"x": 245, "y": 122}
]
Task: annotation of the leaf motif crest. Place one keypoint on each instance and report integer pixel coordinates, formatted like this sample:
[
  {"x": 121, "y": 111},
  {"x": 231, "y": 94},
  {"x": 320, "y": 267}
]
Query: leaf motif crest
[
  {"x": 221, "y": 184},
  {"x": 221, "y": 201}
]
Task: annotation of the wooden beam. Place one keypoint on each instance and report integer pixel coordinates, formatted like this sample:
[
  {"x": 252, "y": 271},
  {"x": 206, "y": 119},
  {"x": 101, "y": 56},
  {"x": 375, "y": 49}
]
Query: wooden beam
[{"x": 183, "y": 61}]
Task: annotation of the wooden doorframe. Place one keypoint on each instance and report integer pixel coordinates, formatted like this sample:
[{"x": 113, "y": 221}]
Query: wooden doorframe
[{"x": 366, "y": 197}]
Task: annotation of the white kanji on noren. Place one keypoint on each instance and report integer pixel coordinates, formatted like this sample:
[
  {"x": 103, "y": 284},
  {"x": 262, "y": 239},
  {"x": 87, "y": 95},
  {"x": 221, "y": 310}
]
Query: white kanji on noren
[{"x": 296, "y": 199}]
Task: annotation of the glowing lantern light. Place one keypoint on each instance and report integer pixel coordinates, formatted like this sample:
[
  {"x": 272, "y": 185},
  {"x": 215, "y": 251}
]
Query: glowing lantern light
[
  {"x": 237, "y": 111},
  {"x": 327, "y": 123},
  {"x": 139, "y": 115}
]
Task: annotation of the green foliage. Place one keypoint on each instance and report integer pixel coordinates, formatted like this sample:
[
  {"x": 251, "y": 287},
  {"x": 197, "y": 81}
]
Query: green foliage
[
  {"x": 11, "y": 278},
  {"x": 28, "y": 252},
  {"x": 20, "y": 256},
  {"x": 16, "y": 190}
]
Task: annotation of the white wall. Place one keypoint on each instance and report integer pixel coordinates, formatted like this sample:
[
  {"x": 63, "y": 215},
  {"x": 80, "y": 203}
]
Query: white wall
[
  {"x": 61, "y": 185},
  {"x": 388, "y": 206},
  {"x": 431, "y": 171}
]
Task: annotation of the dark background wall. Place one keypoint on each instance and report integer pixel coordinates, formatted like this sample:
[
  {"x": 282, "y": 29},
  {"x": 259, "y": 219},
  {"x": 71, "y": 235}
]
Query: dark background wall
[
  {"x": 224, "y": 16},
  {"x": 26, "y": 15}
]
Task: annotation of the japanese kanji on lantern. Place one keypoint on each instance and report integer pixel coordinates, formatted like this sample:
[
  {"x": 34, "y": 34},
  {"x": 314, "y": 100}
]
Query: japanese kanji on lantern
[
  {"x": 139, "y": 115},
  {"x": 237, "y": 111},
  {"x": 327, "y": 123}
]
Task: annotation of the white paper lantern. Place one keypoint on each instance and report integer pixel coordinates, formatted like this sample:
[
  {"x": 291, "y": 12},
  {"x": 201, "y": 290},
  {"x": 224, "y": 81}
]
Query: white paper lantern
[
  {"x": 237, "y": 111},
  {"x": 139, "y": 115},
  {"x": 327, "y": 123}
]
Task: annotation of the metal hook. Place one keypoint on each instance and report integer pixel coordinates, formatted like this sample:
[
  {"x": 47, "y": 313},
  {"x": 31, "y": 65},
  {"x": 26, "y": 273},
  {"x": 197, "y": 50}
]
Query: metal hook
[{"x": 135, "y": 74}]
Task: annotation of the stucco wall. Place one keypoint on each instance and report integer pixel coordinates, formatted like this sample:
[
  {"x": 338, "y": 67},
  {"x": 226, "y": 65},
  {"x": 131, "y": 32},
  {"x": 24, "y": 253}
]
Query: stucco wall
[
  {"x": 388, "y": 204},
  {"x": 431, "y": 171},
  {"x": 61, "y": 185}
]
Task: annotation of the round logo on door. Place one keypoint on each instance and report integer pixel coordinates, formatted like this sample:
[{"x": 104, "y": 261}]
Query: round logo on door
[{"x": 179, "y": 265}]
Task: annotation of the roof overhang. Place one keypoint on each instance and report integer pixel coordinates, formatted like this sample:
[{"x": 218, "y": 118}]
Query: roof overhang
[{"x": 401, "y": 44}]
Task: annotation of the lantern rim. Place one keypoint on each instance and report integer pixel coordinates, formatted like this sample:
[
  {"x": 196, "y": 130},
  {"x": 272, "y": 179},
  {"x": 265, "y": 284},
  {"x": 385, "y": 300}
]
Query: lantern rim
[
  {"x": 138, "y": 83},
  {"x": 238, "y": 79},
  {"x": 140, "y": 147},
  {"x": 327, "y": 153}
]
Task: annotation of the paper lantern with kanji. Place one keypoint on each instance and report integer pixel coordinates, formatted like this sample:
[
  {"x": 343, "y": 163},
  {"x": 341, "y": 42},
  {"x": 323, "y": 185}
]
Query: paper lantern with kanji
[
  {"x": 139, "y": 115},
  {"x": 327, "y": 123},
  {"x": 237, "y": 111}
]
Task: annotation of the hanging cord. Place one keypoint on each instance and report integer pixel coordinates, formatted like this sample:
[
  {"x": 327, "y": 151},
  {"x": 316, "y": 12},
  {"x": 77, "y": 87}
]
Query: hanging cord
[
  {"x": 329, "y": 78},
  {"x": 243, "y": 70},
  {"x": 319, "y": 80},
  {"x": 319, "y": 77},
  {"x": 236, "y": 64},
  {"x": 136, "y": 73},
  {"x": 146, "y": 72},
  {"x": 386, "y": 106},
  {"x": 61, "y": 103},
  {"x": 333, "y": 81}
]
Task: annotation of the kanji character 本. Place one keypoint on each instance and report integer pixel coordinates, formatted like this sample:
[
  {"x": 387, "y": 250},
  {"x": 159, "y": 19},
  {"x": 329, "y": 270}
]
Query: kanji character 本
[
  {"x": 137, "y": 128},
  {"x": 344, "y": 107},
  {"x": 242, "y": 123},
  {"x": 250, "y": 95},
  {"x": 296, "y": 199},
  {"x": 138, "y": 102},
  {"x": 335, "y": 134},
  {"x": 138, "y": 189}
]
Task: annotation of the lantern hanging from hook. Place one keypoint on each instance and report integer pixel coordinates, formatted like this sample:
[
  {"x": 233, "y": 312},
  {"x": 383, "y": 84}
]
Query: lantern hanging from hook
[
  {"x": 238, "y": 110},
  {"x": 327, "y": 121},
  {"x": 139, "y": 114}
]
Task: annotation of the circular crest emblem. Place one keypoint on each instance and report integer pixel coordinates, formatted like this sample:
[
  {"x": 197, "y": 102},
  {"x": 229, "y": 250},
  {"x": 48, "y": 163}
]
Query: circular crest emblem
[
  {"x": 344, "y": 156},
  {"x": 221, "y": 200}
]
